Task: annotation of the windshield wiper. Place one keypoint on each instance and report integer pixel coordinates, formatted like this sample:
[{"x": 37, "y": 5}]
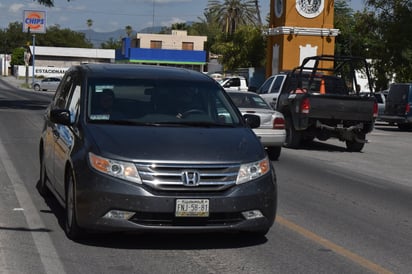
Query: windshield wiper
[
  {"x": 163, "y": 123},
  {"x": 196, "y": 124},
  {"x": 123, "y": 122}
]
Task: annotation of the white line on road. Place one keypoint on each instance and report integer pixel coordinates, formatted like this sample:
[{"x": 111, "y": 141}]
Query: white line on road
[{"x": 47, "y": 252}]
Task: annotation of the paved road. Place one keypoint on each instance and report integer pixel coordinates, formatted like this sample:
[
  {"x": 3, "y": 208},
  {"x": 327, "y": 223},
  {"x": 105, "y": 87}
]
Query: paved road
[{"x": 339, "y": 212}]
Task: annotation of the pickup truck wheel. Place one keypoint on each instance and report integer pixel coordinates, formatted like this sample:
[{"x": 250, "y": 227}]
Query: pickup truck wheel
[
  {"x": 273, "y": 153},
  {"x": 405, "y": 127},
  {"x": 354, "y": 145},
  {"x": 293, "y": 137}
]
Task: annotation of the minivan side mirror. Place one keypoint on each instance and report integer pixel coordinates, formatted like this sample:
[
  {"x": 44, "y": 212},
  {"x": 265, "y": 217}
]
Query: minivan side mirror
[
  {"x": 253, "y": 121},
  {"x": 60, "y": 116}
]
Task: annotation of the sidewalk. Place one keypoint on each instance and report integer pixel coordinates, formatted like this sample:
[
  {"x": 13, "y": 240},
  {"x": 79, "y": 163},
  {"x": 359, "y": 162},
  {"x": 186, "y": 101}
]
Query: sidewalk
[{"x": 19, "y": 83}]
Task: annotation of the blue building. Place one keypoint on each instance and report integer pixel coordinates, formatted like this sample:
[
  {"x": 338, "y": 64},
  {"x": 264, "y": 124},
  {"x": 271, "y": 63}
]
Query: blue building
[{"x": 176, "y": 49}]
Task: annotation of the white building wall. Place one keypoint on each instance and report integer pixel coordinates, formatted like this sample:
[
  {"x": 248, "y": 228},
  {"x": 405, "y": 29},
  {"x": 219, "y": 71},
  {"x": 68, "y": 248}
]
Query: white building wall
[{"x": 172, "y": 41}]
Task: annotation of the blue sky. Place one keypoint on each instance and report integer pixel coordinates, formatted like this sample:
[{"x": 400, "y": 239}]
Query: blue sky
[{"x": 109, "y": 15}]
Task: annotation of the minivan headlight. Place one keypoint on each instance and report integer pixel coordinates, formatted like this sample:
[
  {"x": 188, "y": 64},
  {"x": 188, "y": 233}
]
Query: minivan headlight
[
  {"x": 119, "y": 169},
  {"x": 251, "y": 171}
]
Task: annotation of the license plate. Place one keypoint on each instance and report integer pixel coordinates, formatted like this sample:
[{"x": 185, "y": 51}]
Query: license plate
[{"x": 192, "y": 208}]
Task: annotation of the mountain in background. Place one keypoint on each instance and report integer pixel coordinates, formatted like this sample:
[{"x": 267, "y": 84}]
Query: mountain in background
[{"x": 97, "y": 38}]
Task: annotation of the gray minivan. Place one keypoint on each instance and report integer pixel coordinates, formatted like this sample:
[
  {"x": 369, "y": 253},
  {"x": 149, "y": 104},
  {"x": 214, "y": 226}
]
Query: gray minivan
[
  {"x": 398, "y": 106},
  {"x": 151, "y": 148}
]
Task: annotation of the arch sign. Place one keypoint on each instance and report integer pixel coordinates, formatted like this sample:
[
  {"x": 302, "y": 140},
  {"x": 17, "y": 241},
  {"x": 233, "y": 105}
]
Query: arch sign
[{"x": 35, "y": 21}]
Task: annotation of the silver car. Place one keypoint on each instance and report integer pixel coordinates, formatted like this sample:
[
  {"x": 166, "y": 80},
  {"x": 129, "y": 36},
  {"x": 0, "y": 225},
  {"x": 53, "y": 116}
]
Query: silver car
[
  {"x": 272, "y": 131},
  {"x": 49, "y": 84}
]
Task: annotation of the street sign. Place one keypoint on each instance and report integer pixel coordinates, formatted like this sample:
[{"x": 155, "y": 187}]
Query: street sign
[{"x": 35, "y": 21}]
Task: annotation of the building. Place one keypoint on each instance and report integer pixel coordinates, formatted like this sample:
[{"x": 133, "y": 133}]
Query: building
[
  {"x": 299, "y": 29},
  {"x": 175, "y": 49},
  {"x": 54, "y": 61}
]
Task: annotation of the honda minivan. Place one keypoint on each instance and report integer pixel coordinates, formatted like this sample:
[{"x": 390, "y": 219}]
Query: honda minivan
[{"x": 169, "y": 152}]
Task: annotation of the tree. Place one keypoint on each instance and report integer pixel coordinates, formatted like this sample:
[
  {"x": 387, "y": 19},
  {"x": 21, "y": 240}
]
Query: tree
[
  {"x": 246, "y": 48},
  {"x": 385, "y": 26},
  {"x": 17, "y": 57},
  {"x": 89, "y": 24},
  {"x": 12, "y": 38},
  {"x": 128, "y": 30},
  {"x": 230, "y": 14},
  {"x": 111, "y": 44},
  {"x": 344, "y": 21},
  {"x": 56, "y": 37},
  {"x": 48, "y": 3}
]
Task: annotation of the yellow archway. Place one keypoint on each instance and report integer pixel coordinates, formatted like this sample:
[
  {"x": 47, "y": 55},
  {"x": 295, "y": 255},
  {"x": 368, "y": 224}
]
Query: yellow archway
[{"x": 298, "y": 29}]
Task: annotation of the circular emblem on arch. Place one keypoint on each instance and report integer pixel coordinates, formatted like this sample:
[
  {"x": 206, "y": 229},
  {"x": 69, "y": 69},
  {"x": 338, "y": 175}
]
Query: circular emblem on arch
[{"x": 310, "y": 8}]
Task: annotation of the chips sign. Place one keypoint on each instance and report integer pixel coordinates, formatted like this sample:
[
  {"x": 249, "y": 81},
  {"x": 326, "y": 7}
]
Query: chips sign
[{"x": 35, "y": 21}]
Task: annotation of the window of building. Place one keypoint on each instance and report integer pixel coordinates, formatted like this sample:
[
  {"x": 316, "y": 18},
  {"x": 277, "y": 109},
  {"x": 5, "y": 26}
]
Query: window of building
[
  {"x": 187, "y": 45},
  {"x": 155, "y": 44},
  {"x": 136, "y": 43}
]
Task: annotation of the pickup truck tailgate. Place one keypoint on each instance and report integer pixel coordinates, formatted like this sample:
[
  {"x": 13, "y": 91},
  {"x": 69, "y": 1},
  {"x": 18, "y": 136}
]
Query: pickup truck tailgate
[{"x": 356, "y": 108}]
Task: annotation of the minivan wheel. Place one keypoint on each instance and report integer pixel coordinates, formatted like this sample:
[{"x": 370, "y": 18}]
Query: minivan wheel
[
  {"x": 273, "y": 153},
  {"x": 36, "y": 87},
  {"x": 73, "y": 231},
  {"x": 41, "y": 185}
]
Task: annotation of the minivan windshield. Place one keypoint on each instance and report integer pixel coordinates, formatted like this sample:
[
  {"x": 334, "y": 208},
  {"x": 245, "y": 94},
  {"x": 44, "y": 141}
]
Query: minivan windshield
[{"x": 160, "y": 102}]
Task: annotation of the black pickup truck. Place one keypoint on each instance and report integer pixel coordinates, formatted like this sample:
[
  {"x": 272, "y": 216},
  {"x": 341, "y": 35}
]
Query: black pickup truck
[{"x": 322, "y": 99}]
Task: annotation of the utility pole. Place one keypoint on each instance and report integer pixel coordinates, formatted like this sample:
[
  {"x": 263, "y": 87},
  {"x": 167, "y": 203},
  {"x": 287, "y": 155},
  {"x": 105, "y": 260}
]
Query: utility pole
[
  {"x": 153, "y": 16},
  {"x": 27, "y": 57}
]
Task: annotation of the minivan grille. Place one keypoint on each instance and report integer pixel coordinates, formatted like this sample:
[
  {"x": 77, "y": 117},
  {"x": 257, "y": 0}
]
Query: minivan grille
[{"x": 174, "y": 177}]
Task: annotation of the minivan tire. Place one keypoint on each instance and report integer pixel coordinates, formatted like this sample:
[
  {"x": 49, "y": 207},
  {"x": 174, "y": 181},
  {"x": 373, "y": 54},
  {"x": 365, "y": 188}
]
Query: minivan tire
[
  {"x": 41, "y": 185},
  {"x": 273, "y": 153},
  {"x": 73, "y": 231}
]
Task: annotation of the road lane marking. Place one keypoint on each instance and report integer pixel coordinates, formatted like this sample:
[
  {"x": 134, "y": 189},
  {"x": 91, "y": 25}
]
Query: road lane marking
[
  {"x": 44, "y": 245},
  {"x": 332, "y": 246}
]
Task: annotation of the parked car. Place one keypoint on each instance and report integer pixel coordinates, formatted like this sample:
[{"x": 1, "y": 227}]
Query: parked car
[
  {"x": 398, "y": 106},
  {"x": 169, "y": 152},
  {"x": 272, "y": 131},
  {"x": 380, "y": 99},
  {"x": 49, "y": 84},
  {"x": 234, "y": 83},
  {"x": 270, "y": 89}
]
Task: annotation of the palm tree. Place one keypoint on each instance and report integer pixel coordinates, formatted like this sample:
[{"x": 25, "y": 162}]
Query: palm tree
[
  {"x": 89, "y": 23},
  {"x": 258, "y": 13},
  {"x": 128, "y": 30},
  {"x": 232, "y": 13}
]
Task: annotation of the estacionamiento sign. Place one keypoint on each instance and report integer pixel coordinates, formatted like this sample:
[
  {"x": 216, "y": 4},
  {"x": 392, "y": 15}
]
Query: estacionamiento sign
[{"x": 35, "y": 21}]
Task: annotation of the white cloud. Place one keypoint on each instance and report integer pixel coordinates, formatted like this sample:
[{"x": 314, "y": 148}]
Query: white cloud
[
  {"x": 16, "y": 8},
  {"x": 172, "y": 21},
  {"x": 161, "y": 2}
]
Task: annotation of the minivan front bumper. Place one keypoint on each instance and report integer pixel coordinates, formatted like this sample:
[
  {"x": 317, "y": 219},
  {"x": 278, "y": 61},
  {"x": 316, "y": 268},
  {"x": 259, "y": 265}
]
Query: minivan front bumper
[{"x": 153, "y": 210}]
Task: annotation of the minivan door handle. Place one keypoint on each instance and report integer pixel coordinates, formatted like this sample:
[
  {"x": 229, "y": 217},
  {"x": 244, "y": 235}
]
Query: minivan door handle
[{"x": 56, "y": 133}]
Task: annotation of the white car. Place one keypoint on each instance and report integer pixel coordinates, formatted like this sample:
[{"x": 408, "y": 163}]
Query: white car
[
  {"x": 49, "y": 84},
  {"x": 269, "y": 90},
  {"x": 234, "y": 83},
  {"x": 272, "y": 131}
]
